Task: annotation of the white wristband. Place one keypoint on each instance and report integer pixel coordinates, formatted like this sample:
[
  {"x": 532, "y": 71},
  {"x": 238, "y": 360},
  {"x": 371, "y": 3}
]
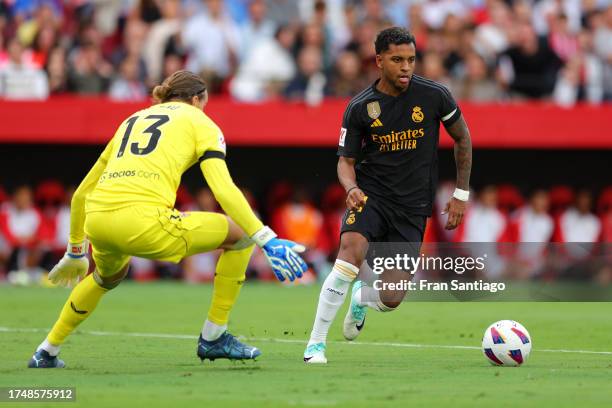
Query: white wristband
[
  {"x": 461, "y": 195},
  {"x": 77, "y": 250},
  {"x": 262, "y": 236}
]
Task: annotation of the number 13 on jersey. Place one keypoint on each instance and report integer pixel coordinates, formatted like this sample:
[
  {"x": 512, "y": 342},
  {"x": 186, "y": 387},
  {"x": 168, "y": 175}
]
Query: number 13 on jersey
[{"x": 153, "y": 130}]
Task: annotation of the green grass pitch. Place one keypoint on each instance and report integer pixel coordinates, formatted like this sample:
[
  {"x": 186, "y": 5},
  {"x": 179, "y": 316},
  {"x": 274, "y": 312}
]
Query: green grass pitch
[{"x": 138, "y": 349}]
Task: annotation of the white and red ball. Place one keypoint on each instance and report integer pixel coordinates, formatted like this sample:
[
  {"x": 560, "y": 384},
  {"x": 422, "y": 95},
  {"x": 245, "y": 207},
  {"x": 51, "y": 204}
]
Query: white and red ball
[{"x": 506, "y": 343}]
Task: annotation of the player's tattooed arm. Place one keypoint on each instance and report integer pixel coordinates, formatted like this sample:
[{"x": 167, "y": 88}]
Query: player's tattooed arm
[
  {"x": 463, "y": 151},
  {"x": 463, "y": 158}
]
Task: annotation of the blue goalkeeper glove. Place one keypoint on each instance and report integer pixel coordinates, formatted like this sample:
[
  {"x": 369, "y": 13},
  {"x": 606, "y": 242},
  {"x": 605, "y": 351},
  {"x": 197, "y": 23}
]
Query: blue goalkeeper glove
[{"x": 282, "y": 254}]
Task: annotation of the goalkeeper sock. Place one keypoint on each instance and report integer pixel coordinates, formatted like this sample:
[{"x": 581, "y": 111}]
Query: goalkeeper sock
[
  {"x": 49, "y": 348},
  {"x": 229, "y": 277},
  {"x": 212, "y": 331},
  {"x": 370, "y": 297},
  {"x": 332, "y": 296},
  {"x": 80, "y": 304}
]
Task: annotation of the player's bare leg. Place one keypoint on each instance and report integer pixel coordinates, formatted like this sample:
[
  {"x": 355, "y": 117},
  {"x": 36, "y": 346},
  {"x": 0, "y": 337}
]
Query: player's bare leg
[
  {"x": 383, "y": 299},
  {"x": 364, "y": 296},
  {"x": 215, "y": 342},
  {"x": 80, "y": 305},
  {"x": 353, "y": 248}
]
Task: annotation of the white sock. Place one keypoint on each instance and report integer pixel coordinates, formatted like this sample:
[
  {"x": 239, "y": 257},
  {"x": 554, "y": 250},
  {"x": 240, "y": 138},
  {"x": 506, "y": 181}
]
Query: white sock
[
  {"x": 49, "y": 348},
  {"x": 370, "y": 297},
  {"x": 212, "y": 331},
  {"x": 333, "y": 293}
]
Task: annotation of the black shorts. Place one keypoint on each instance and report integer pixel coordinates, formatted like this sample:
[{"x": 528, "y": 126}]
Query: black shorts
[{"x": 380, "y": 223}]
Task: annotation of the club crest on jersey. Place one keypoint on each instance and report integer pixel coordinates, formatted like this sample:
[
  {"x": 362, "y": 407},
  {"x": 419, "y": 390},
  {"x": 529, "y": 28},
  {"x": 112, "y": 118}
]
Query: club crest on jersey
[
  {"x": 351, "y": 219},
  {"x": 373, "y": 109},
  {"x": 417, "y": 114}
]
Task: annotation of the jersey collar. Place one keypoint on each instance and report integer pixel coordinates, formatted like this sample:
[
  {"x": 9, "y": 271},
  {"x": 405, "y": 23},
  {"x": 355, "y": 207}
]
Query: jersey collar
[{"x": 402, "y": 95}]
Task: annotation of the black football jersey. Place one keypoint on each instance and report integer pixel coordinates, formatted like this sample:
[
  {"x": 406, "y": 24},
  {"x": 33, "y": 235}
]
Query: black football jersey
[{"x": 395, "y": 141}]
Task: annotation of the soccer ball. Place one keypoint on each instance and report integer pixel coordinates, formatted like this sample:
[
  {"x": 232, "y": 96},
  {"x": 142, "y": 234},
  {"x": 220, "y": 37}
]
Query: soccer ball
[{"x": 506, "y": 343}]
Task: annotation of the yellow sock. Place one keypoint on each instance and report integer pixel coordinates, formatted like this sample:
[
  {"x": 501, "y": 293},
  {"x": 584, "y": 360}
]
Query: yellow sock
[
  {"x": 229, "y": 278},
  {"x": 80, "y": 304}
]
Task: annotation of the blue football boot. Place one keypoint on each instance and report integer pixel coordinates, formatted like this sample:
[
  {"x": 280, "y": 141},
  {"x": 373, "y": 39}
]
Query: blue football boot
[
  {"x": 226, "y": 346},
  {"x": 42, "y": 359}
]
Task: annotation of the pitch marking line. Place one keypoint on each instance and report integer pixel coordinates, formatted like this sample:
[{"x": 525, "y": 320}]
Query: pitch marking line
[{"x": 273, "y": 340}]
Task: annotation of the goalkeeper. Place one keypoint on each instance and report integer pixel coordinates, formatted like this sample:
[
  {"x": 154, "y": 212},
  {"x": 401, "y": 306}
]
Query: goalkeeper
[{"x": 124, "y": 206}]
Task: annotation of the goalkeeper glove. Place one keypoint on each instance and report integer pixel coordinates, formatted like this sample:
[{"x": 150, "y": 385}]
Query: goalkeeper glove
[
  {"x": 282, "y": 254},
  {"x": 72, "y": 266}
]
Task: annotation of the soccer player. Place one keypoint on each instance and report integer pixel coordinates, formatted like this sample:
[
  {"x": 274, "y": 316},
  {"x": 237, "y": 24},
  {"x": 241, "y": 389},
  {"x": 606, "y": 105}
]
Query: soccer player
[
  {"x": 388, "y": 167},
  {"x": 124, "y": 206}
]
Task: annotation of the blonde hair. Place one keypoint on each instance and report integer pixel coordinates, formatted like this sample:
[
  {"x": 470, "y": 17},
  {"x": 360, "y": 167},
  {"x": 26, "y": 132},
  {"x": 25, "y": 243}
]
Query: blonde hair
[{"x": 182, "y": 85}]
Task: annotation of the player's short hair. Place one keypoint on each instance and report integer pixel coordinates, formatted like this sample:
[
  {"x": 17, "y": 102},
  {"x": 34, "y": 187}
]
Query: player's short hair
[
  {"x": 182, "y": 85},
  {"x": 393, "y": 35}
]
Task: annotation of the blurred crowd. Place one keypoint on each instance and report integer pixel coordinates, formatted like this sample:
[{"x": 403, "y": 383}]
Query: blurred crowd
[
  {"x": 35, "y": 222},
  {"x": 258, "y": 50}
]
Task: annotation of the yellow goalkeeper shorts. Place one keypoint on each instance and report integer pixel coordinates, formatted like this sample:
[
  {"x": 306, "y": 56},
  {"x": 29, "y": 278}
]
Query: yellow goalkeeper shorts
[{"x": 151, "y": 232}]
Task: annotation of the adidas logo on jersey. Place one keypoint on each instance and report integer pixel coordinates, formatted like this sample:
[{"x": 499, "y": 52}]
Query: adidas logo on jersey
[{"x": 376, "y": 123}]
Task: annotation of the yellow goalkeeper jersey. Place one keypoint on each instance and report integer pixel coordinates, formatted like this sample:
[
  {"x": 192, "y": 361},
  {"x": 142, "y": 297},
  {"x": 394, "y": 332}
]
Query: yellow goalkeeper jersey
[{"x": 148, "y": 154}]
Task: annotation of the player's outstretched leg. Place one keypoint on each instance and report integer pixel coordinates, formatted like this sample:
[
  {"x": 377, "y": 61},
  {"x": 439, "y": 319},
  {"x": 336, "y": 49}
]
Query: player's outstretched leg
[
  {"x": 80, "y": 304},
  {"x": 215, "y": 342},
  {"x": 333, "y": 293}
]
